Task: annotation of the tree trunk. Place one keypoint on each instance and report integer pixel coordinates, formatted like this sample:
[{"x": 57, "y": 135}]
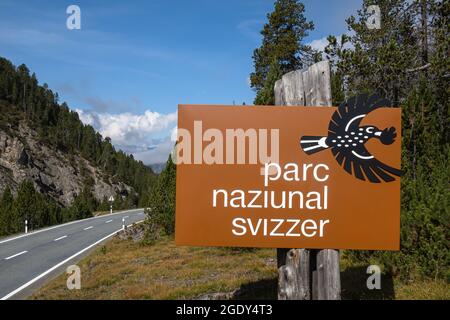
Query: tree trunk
[{"x": 424, "y": 23}]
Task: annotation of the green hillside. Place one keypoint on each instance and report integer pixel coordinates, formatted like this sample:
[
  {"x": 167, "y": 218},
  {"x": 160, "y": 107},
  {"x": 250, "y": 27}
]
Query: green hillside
[{"x": 39, "y": 133}]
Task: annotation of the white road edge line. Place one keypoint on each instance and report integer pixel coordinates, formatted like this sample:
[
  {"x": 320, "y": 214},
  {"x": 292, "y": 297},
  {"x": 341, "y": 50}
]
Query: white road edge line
[
  {"x": 90, "y": 227},
  {"x": 108, "y": 221},
  {"x": 60, "y": 238},
  {"x": 55, "y": 267},
  {"x": 66, "y": 224},
  {"x": 15, "y": 255}
]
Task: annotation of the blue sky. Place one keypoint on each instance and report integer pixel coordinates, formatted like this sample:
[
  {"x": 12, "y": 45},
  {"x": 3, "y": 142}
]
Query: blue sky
[{"x": 133, "y": 62}]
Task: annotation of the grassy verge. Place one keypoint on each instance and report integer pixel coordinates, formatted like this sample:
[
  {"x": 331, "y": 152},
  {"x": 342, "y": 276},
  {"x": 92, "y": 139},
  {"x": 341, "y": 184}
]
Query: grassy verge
[
  {"x": 354, "y": 286},
  {"x": 123, "y": 269}
]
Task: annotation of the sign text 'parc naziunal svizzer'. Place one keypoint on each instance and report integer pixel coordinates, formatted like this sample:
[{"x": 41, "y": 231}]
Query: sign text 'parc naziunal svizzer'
[{"x": 293, "y": 177}]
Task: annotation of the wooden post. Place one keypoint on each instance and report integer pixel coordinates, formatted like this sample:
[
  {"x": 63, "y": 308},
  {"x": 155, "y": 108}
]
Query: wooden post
[
  {"x": 293, "y": 279},
  {"x": 328, "y": 275},
  {"x": 307, "y": 274}
]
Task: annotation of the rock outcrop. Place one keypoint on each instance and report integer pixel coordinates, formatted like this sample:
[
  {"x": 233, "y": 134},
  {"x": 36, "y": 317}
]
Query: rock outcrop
[{"x": 61, "y": 176}]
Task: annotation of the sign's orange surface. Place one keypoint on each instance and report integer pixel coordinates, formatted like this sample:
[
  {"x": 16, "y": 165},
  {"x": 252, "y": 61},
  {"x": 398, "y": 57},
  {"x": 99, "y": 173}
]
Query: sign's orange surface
[{"x": 301, "y": 200}]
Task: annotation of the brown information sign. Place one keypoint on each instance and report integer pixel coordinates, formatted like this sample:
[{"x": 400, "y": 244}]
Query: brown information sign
[{"x": 292, "y": 177}]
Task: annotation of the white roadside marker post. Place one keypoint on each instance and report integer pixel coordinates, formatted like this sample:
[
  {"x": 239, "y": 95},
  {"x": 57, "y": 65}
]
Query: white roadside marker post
[
  {"x": 26, "y": 226},
  {"x": 111, "y": 200},
  {"x": 123, "y": 224}
]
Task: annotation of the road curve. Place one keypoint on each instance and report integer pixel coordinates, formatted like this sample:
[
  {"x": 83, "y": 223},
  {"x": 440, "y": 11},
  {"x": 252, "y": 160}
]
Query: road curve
[{"x": 26, "y": 260}]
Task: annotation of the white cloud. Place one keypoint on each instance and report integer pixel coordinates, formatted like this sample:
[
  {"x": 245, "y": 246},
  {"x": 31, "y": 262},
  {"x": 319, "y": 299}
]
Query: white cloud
[
  {"x": 174, "y": 134},
  {"x": 148, "y": 136},
  {"x": 319, "y": 44},
  {"x": 159, "y": 154}
]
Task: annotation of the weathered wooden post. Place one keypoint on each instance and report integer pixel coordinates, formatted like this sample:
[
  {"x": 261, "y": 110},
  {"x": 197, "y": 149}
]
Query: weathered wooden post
[{"x": 307, "y": 274}]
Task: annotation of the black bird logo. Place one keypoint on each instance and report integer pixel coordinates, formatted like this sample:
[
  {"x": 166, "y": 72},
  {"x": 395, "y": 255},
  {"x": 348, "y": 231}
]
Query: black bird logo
[{"x": 346, "y": 139}]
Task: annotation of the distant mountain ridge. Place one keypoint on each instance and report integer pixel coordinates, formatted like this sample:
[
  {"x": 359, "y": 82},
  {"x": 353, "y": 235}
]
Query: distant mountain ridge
[{"x": 158, "y": 167}]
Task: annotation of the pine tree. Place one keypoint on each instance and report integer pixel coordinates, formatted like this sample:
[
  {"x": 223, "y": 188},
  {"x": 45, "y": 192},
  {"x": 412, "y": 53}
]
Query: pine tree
[
  {"x": 379, "y": 58},
  {"x": 22, "y": 99},
  {"x": 25, "y": 207},
  {"x": 282, "y": 49},
  {"x": 407, "y": 61},
  {"x": 161, "y": 205},
  {"x": 104, "y": 205},
  {"x": 6, "y": 214},
  {"x": 83, "y": 206},
  {"x": 266, "y": 95}
]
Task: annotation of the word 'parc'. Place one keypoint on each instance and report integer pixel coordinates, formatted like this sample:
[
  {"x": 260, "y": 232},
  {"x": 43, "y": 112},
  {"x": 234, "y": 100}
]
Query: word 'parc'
[{"x": 246, "y": 200}]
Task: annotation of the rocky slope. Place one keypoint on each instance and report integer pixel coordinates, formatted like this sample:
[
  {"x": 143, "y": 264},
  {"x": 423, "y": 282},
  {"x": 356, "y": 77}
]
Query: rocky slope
[{"x": 62, "y": 177}]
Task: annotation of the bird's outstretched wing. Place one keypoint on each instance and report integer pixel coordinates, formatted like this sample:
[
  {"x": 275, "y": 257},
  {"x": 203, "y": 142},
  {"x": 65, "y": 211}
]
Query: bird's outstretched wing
[
  {"x": 350, "y": 113},
  {"x": 364, "y": 166}
]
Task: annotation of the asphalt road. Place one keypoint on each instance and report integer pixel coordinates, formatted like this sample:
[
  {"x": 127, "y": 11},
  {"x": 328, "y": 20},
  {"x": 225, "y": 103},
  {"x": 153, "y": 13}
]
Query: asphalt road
[{"x": 26, "y": 260}]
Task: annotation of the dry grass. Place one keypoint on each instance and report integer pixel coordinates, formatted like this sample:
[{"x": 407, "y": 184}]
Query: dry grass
[
  {"x": 354, "y": 279},
  {"x": 423, "y": 290},
  {"x": 123, "y": 269}
]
